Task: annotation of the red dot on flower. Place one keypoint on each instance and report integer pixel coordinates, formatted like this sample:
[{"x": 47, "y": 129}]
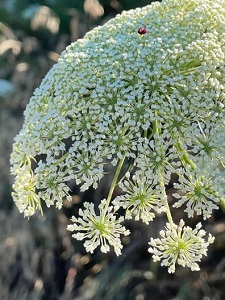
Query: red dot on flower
[{"x": 142, "y": 30}]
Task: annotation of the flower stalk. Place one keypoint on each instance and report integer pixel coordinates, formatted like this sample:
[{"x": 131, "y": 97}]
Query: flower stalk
[{"x": 113, "y": 184}]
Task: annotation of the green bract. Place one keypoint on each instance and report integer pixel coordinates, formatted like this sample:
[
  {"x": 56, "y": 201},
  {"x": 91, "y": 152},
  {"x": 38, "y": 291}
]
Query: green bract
[{"x": 146, "y": 89}]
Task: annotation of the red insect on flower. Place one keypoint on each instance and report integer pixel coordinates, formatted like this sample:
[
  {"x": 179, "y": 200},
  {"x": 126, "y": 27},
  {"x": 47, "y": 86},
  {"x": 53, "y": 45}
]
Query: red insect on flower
[{"x": 142, "y": 30}]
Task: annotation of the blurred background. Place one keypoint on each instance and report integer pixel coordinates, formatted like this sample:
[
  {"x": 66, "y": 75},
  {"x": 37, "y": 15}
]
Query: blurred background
[{"x": 38, "y": 258}]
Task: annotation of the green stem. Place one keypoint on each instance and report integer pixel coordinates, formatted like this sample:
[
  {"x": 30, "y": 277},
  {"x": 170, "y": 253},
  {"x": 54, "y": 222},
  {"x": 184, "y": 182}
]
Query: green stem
[
  {"x": 165, "y": 201},
  {"x": 185, "y": 159},
  {"x": 155, "y": 128},
  {"x": 113, "y": 185},
  {"x": 155, "y": 125},
  {"x": 168, "y": 212}
]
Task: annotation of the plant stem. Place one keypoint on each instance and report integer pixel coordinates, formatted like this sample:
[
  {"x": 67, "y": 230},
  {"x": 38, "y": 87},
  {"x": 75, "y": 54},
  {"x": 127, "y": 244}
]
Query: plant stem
[
  {"x": 113, "y": 184},
  {"x": 156, "y": 130},
  {"x": 185, "y": 159},
  {"x": 168, "y": 213}
]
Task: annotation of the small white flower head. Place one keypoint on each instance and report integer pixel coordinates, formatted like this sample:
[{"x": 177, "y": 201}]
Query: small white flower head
[
  {"x": 201, "y": 191},
  {"x": 102, "y": 230},
  {"x": 27, "y": 200},
  {"x": 182, "y": 245},
  {"x": 142, "y": 198},
  {"x": 209, "y": 142},
  {"x": 156, "y": 158}
]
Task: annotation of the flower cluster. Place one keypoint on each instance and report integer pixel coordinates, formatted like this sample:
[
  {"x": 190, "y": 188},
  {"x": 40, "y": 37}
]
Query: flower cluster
[
  {"x": 142, "y": 199},
  {"x": 145, "y": 90},
  {"x": 182, "y": 245},
  {"x": 201, "y": 191},
  {"x": 99, "y": 230}
]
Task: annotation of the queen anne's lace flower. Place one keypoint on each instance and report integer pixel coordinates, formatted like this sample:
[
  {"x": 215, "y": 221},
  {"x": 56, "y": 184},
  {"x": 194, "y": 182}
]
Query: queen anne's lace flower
[
  {"x": 157, "y": 158},
  {"x": 102, "y": 230},
  {"x": 201, "y": 191},
  {"x": 208, "y": 142},
  {"x": 145, "y": 89},
  {"x": 142, "y": 199},
  {"x": 180, "y": 244},
  {"x": 26, "y": 198},
  {"x": 113, "y": 89}
]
